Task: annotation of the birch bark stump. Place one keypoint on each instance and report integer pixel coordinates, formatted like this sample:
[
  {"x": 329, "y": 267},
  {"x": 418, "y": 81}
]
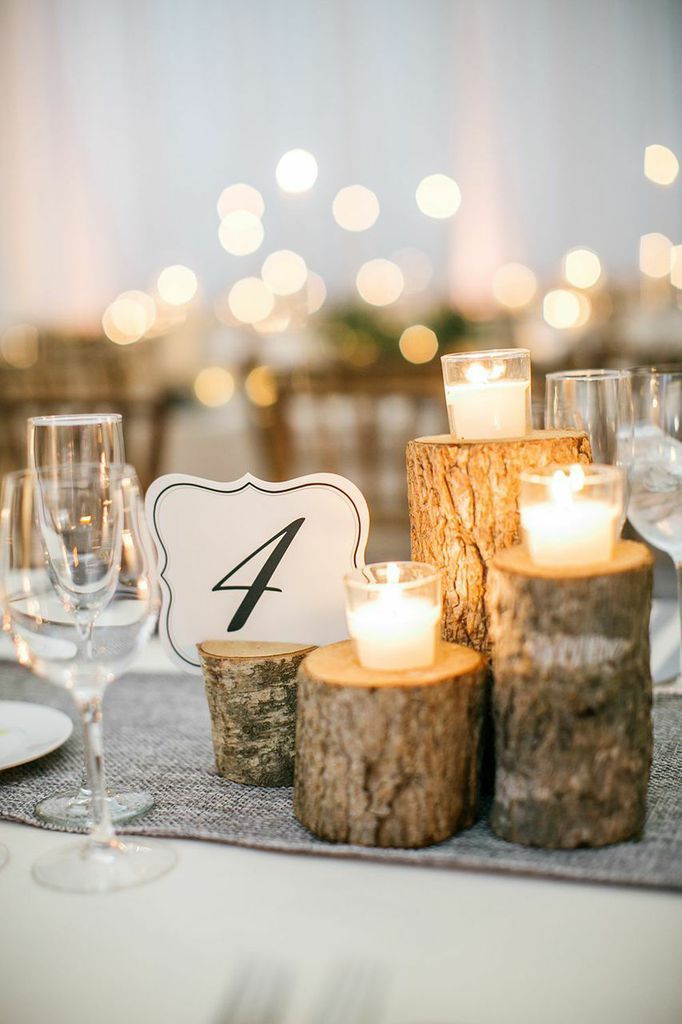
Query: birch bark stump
[
  {"x": 571, "y": 698},
  {"x": 463, "y": 499},
  {"x": 251, "y": 692},
  {"x": 388, "y": 759}
]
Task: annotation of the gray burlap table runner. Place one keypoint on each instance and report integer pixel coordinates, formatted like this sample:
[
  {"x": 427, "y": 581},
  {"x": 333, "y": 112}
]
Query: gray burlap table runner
[{"x": 158, "y": 738}]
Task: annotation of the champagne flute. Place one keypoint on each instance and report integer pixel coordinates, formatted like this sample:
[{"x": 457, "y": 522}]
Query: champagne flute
[
  {"x": 63, "y": 441},
  {"x": 75, "y": 537},
  {"x": 655, "y": 508}
]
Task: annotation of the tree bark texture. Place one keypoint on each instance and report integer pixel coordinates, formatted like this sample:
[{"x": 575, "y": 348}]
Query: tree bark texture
[
  {"x": 463, "y": 499},
  {"x": 388, "y": 759},
  {"x": 251, "y": 692},
  {"x": 571, "y": 699}
]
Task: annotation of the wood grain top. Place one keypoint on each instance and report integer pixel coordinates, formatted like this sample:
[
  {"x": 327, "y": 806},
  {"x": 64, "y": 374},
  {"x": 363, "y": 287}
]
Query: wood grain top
[
  {"x": 629, "y": 555},
  {"x": 530, "y": 438},
  {"x": 250, "y": 649},
  {"x": 337, "y": 664}
]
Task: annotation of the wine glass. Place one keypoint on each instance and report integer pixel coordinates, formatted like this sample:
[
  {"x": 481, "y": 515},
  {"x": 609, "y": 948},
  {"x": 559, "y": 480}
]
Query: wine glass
[
  {"x": 74, "y": 537},
  {"x": 655, "y": 508},
  {"x": 598, "y": 402},
  {"x": 63, "y": 441}
]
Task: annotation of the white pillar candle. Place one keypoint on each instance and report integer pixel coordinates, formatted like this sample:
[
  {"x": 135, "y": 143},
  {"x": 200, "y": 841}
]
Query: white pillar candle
[
  {"x": 488, "y": 410},
  {"x": 395, "y": 631},
  {"x": 567, "y": 529}
]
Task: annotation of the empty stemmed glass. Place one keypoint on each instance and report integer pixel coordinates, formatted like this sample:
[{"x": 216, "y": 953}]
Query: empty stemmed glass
[
  {"x": 80, "y": 598},
  {"x": 655, "y": 508},
  {"x": 55, "y": 441},
  {"x": 598, "y": 402}
]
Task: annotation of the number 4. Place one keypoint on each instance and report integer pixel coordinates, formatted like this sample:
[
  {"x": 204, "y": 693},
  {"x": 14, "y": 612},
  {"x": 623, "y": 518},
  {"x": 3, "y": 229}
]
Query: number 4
[{"x": 255, "y": 590}]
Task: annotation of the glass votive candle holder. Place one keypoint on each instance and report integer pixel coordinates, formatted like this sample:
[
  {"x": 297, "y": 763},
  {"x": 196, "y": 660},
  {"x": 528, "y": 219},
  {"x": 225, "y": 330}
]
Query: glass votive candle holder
[
  {"x": 488, "y": 393},
  {"x": 571, "y": 515},
  {"x": 393, "y": 611}
]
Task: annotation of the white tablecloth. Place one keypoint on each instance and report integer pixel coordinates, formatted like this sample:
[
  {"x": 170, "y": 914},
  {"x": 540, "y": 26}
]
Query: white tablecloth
[{"x": 457, "y": 947}]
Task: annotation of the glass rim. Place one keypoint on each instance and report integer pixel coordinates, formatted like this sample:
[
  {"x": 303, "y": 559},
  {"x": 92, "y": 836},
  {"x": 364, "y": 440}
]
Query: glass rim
[
  {"x": 489, "y": 353},
  {"x": 660, "y": 370},
  {"x": 603, "y": 374},
  {"x": 75, "y": 419},
  {"x": 595, "y": 473},
  {"x": 354, "y": 578}
]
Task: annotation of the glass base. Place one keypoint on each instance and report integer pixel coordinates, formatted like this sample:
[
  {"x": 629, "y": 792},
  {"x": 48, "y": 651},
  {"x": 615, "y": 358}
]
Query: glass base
[
  {"x": 98, "y": 868},
  {"x": 669, "y": 687},
  {"x": 74, "y": 810}
]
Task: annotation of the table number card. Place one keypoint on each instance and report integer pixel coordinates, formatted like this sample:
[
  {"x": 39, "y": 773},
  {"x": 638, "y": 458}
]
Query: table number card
[{"x": 254, "y": 560}]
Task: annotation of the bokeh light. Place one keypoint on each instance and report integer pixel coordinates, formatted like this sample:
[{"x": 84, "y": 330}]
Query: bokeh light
[
  {"x": 261, "y": 386},
  {"x": 418, "y": 344},
  {"x": 214, "y": 386},
  {"x": 514, "y": 285},
  {"x": 240, "y": 232},
  {"x": 582, "y": 268},
  {"x": 129, "y": 317},
  {"x": 416, "y": 269},
  {"x": 655, "y": 254},
  {"x": 19, "y": 346},
  {"x": 316, "y": 292},
  {"x": 284, "y": 272},
  {"x": 278, "y": 322},
  {"x": 676, "y": 266},
  {"x": 241, "y": 197},
  {"x": 355, "y": 208},
  {"x": 438, "y": 196},
  {"x": 562, "y": 308},
  {"x": 379, "y": 282},
  {"x": 296, "y": 171},
  {"x": 250, "y": 300},
  {"x": 660, "y": 165},
  {"x": 177, "y": 285}
]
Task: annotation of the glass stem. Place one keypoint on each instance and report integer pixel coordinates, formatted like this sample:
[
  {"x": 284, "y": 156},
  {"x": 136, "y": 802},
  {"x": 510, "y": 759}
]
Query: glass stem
[
  {"x": 91, "y": 717},
  {"x": 678, "y": 571}
]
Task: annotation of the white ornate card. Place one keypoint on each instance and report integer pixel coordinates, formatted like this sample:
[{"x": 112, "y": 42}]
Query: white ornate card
[{"x": 254, "y": 560}]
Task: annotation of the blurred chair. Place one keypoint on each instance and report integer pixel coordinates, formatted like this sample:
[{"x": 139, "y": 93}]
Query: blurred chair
[
  {"x": 356, "y": 423},
  {"x": 85, "y": 375}
]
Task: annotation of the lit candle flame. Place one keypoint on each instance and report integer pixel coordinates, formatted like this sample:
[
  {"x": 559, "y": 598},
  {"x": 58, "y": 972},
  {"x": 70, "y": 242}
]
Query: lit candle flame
[
  {"x": 565, "y": 484},
  {"x": 392, "y": 573},
  {"x": 76, "y": 561},
  {"x": 85, "y": 520},
  {"x": 476, "y": 373}
]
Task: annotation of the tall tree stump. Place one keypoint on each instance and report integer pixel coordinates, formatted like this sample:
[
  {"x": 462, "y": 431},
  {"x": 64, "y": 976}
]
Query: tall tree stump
[
  {"x": 251, "y": 692},
  {"x": 571, "y": 698},
  {"x": 388, "y": 758},
  {"x": 464, "y": 508}
]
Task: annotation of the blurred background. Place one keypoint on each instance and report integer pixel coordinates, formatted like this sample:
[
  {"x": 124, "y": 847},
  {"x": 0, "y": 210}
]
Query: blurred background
[{"x": 254, "y": 227}]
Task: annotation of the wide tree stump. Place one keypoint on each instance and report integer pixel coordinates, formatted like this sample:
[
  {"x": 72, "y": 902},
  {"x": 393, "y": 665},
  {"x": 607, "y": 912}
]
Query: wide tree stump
[
  {"x": 571, "y": 698},
  {"x": 251, "y": 692},
  {"x": 464, "y": 508},
  {"x": 388, "y": 758}
]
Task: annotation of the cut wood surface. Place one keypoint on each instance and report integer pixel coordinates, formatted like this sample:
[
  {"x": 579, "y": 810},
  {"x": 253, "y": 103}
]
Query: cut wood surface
[
  {"x": 463, "y": 501},
  {"x": 251, "y": 693},
  {"x": 388, "y": 759},
  {"x": 571, "y": 699}
]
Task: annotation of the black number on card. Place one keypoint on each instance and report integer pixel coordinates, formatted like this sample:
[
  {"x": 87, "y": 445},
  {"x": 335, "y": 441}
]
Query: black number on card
[{"x": 255, "y": 590}]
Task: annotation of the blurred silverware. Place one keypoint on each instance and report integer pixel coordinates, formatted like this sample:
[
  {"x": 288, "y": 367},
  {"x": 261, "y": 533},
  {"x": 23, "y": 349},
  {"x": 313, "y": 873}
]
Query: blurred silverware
[
  {"x": 258, "y": 995},
  {"x": 354, "y": 994}
]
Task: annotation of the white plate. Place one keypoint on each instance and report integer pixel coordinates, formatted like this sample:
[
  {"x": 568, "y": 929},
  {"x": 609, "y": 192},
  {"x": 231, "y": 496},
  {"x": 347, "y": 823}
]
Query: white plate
[{"x": 28, "y": 731}]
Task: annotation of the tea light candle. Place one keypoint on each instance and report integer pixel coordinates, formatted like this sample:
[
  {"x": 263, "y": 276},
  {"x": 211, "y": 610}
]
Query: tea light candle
[
  {"x": 393, "y": 612},
  {"x": 488, "y": 393},
  {"x": 570, "y": 517}
]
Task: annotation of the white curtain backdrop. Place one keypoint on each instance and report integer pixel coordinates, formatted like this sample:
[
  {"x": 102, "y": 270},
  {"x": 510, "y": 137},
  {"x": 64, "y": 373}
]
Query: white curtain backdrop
[{"x": 122, "y": 120}]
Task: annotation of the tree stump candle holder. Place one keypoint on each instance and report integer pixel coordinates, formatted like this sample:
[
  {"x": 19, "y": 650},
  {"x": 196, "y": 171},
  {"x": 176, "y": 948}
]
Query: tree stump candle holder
[
  {"x": 388, "y": 758},
  {"x": 571, "y": 698},
  {"x": 251, "y": 692},
  {"x": 463, "y": 502}
]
